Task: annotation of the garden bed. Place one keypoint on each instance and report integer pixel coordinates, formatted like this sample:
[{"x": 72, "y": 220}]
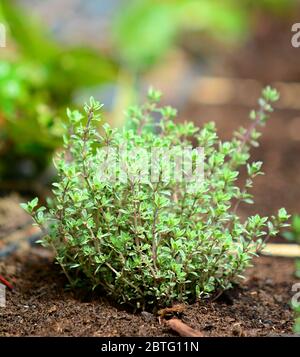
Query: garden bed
[{"x": 41, "y": 306}]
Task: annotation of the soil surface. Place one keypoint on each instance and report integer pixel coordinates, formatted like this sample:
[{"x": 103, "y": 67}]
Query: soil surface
[{"x": 40, "y": 305}]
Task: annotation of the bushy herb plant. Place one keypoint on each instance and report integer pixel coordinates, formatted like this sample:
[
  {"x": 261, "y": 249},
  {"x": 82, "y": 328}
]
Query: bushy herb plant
[{"x": 151, "y": 243}]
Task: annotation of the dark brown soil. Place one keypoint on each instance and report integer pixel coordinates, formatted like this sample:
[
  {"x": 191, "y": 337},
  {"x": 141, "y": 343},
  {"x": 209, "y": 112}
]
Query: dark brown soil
[{"x": 41, "y": 306}]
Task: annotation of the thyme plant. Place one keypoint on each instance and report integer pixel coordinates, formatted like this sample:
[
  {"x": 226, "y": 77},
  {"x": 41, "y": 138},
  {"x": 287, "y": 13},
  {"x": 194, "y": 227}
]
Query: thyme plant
[{"x": 154, "y": 243}]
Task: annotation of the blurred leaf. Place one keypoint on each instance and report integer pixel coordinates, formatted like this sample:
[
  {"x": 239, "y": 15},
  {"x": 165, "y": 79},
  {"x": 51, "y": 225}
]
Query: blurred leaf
[
  {"x": 143, "y": 31},
  {"x": 296, "y": 224},
  {"x": 289, "y": 236},
  {"x": 32, "y": 39},
  {"x": 226, "y": 20},
  {"x": 39, "y": 80},
  {"x": 297, "y": 273},
  {"x": 278, "y": 7},
  {"x": 86, "y": 67}
]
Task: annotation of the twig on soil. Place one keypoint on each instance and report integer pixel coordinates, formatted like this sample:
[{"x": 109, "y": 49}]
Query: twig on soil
[
  {"x": 183, "y": 329},
  {"x": 6, "y": 283},
  {"x": 176, "y": 309}
]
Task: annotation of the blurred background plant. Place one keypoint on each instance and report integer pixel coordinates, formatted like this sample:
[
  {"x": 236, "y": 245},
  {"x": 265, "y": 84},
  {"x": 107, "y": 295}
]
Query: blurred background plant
[
  {"x": 38, "y": 79},
  {"x": 293, "y": 236},
  {"x": 40, "y": 74},
  {"x": 60, "y": 52},
  {"x": 145, "y": 29},
  {"x": 297, "y": 319},
  {"x": 152, "y": 39}
]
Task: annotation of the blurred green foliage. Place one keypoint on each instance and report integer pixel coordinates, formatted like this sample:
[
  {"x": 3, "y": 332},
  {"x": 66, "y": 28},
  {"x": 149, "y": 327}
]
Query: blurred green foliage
[
  {"x": 293, "y": 235},
  {"x": 146, "y": 29},
  {"x": 297, "y": 323},
  {"x": 38, "y": 78}
]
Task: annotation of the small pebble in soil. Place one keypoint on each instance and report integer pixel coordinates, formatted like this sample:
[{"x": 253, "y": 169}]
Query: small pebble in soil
[
  {"x": 278, "y": 298},
  {"x": 267, "y": 322},
  {"x": 269, "y": 282},
  {"x": 208, "y": 327},
  {"x": 147, "y": 316},
  {"x": 237, "y": 330},
  {"x": 52, "y": 309}
]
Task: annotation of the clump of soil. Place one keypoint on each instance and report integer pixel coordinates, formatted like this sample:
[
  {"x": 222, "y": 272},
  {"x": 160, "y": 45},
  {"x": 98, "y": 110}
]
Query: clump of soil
[{"x": 41, "y": 306}]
